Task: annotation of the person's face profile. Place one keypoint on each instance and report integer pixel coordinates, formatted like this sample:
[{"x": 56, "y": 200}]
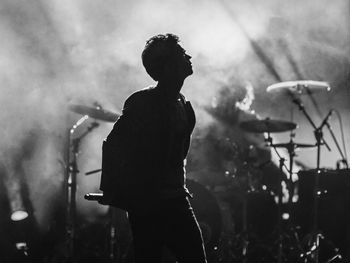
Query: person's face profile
[{"x": 183, "y": 62}]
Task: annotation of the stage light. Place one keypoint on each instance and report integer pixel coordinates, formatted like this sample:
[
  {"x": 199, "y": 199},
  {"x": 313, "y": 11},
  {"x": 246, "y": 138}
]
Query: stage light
[
  {"x": 18, "y": 211},
  {"x": 22, "y": 246},
  {"x": 19, "y": 215},
  {"x": 285, "y": 216}
]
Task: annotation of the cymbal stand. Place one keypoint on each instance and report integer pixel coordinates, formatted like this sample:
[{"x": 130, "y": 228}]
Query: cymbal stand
[
  {"x": 281, "y": 234},
  {"x": 71, "y": 181},
  {"x": 279, "y": 221},
  {"x": 291, "y": 146},
  {"x": 316, "y": 235},
  {"x": 344, "y": 159},
  {"x": 245, "y": 239},
  {"x": 301, "y": 107},
  {"x": 269, "y": 142},
  {"x": 245, "y": 236},
  {"x": 280, "y": 197}
]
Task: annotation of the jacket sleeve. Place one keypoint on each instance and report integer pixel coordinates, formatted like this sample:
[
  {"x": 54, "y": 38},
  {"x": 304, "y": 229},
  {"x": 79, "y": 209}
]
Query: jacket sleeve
[{"x": 119, "y": 146}]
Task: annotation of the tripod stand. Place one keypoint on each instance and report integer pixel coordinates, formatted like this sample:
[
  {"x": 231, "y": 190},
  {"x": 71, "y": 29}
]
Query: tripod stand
[
  {"x": 312, "y": 254},
  {"x": 71, "y": 182},
  {"x": 290, "y": 233}
]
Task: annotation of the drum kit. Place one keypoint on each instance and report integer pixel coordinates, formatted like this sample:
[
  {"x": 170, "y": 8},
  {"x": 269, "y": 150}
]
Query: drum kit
[
  {"x": 242, "y": 245},
  {"x": 311, "y": 251}
]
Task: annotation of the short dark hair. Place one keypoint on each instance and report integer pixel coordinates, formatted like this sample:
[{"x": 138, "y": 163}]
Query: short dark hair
[{"x": 157, "y": 52}]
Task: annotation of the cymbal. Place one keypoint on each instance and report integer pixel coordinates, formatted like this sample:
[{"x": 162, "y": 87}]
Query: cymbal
[
  {"x": 267, "y": 125},
  {"x": 95, "y": 112},
  {"x": 300, "y": 87},
  {"x": 293, "y": 145}
]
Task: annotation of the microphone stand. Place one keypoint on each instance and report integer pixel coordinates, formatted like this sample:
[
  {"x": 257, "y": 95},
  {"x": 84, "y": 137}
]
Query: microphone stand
[
  {"x": 71, "y": 181},
  {"x": 301, "y": 107},
  {"x": 310, "y": 95},
  {"x": 316, "y": 234},
  {"x": 343, "y": 160}
]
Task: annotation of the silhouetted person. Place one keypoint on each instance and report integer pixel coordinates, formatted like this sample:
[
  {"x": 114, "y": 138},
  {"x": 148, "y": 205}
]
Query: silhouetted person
[{"x": 143, "y": 159}]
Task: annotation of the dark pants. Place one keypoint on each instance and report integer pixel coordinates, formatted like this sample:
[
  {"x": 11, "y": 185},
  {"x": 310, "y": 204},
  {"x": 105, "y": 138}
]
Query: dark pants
[{"x": 174, "y": 226}]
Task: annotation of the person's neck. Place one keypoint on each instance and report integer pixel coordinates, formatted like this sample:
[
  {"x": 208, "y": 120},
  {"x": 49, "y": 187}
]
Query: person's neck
[{"x": 170, "y": 89}]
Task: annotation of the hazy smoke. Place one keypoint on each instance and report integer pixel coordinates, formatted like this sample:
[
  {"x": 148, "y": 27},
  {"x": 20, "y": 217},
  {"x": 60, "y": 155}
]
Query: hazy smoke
[{"x": 58, "y": 52}]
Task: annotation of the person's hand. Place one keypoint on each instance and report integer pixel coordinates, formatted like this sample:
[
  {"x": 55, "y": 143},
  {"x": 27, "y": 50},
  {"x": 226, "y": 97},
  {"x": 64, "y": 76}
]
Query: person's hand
[{"x": 105, "y": 199}]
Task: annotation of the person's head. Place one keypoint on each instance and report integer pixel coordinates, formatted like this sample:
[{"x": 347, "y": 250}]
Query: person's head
[{"x": 164, "y": 58}]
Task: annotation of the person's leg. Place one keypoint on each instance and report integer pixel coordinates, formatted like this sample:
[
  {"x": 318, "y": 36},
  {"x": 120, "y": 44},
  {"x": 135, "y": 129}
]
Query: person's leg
[
  {"x": 147, "y": 238},
  {"x": 183, "y": 235}
]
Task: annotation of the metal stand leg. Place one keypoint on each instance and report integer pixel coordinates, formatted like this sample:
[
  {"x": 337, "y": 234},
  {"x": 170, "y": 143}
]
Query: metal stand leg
[{"x": 71, "y": 183}]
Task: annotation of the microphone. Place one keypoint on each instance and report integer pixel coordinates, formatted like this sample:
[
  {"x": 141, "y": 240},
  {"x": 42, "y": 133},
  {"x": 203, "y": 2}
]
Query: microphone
[
  {"x": 94, "y": 197},
  {"x": 326, "y": 119},
  {"x": 101, "y": 198}
]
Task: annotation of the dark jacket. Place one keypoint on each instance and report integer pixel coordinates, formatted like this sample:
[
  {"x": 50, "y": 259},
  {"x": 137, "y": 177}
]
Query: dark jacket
[{"x": 136, "y": 149}]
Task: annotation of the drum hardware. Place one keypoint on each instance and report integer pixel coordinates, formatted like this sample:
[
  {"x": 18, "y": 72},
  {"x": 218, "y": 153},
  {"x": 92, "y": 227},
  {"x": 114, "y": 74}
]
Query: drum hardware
[
  {"x": 249, "y": 242},
  {"x": 114, "y": 253},
  {"x": 291, "y": 232},
  {"x": 333, "y": 210},
  {"x": 95, "y": 112},
  {"x": 244, "y": 236},
  {"x": 326, "y": 123},
  {"x": 294, "y": 88},
  {"x": 71, "y": 180},
  {"x": 291, "y": 146},
  {"x": 252, "y": 230},
  {"x": 72, "y": 170},
  {"x": 314, "y": 237},
  {"x": 269, "y": 143},
  {"x": 267, "y": 125},
  {"x": 300, "y": 87},
  {"x": 255, "y": 219}
]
